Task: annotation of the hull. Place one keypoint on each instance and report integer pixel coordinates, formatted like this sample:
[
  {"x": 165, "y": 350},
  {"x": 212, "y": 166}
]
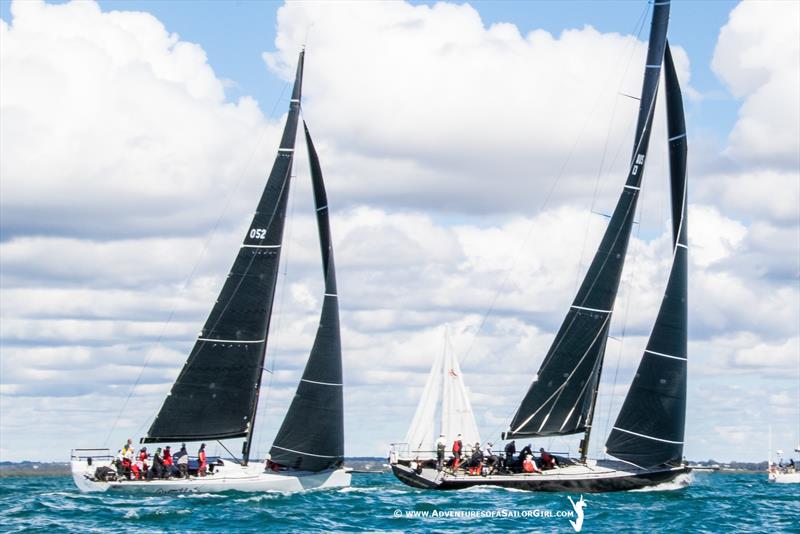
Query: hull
[
  {"x": 226, "y": 477},
  {"x": 785, "y": 478},
  {"x": 596, "y": 478}
]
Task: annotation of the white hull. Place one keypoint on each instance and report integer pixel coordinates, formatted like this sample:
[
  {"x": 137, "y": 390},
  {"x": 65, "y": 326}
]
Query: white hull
[
  {"x": 226, "y": 477},
  {"x": 785, "y": 478}
]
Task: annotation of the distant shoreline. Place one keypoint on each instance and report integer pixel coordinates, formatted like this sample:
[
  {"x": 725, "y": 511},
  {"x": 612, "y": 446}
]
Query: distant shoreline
[
  {"x": 359, "y": 463},
  {"x": 60, "y": 469}
]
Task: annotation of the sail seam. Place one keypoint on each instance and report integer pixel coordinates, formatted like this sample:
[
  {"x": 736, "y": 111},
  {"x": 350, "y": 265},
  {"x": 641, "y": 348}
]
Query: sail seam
[
  {"x": 633, "y": 187},
  {"x": 682, "y": 245},
  {"x": 231, "y": 340},
  {"x": 677, "y": 137},
  {"x": 261, "y": 246},
  {"x": 306, "y": 453},
  {"x": 331, "y": 295},
  {"x": 285, "y": 150},
  {"x": 664, "y": 355},
  {"x": 590, "y": 309},
  {"x": 564, "y": 384},
  {"x": 322, "y": 208},
  {"x": 320, "y": 383},
  {"x": 647, "y": 437}
]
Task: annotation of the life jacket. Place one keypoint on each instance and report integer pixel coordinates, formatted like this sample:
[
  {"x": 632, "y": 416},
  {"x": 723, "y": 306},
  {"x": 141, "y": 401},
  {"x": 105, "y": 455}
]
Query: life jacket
[
  {"x": 527, "y": 466},
  {"x": 457, "y": 446},
  {"x": 202, "y": 457},
  {"x": 167, "y": 458}
]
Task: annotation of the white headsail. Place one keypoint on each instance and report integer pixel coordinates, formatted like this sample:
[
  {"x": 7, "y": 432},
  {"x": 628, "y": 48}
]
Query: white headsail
[{"x": 445, "y": 394}]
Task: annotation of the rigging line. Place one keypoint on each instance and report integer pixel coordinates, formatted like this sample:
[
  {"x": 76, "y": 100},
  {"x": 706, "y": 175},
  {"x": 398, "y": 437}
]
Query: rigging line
[
  {"x": 206, "y": 246},
  {"x": 520, "y": 249},
  {"x": 637, "y": 30},
  {"x": 281, "y": 306}
]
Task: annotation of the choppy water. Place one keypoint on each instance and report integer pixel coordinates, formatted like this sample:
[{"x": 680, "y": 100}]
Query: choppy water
[{"x": 712, "y": 503}]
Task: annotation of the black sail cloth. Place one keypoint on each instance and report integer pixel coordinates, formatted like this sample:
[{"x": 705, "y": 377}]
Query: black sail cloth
[
  {"x": 311, "y": 437},
  {"x": 560, "y": 400},
  {"x": 216, "y": 394},
  {"x": 650, "y": 427}
]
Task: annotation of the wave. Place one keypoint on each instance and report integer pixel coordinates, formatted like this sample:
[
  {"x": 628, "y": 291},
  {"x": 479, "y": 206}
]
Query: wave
[{"x": 679, "y": 482}]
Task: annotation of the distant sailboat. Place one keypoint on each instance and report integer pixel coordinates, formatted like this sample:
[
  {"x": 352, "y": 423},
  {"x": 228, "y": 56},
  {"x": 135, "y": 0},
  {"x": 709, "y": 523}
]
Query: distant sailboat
[
  {"x": 215, "y": 396},
  {"x": 647, "y": 438},
  {"x": 444, "y": 400}
]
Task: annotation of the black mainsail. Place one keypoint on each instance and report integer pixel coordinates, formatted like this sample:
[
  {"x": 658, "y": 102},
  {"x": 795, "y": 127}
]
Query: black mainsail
[
  {"x": 318, "y": 400},
  {"x": 649, "y": 429},
  {"x": 216, "y": 394},
  {"x": 561, "y": 399}
]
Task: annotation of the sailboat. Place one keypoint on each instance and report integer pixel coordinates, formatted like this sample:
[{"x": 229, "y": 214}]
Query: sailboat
[
  {"x": 215, "y": 396},
  {"x": 647, "y": 439},
  {"x": 445, "y": 396}
]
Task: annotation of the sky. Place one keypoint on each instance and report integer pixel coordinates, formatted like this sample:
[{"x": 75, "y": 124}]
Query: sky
[{"x": 470, "y": 151}]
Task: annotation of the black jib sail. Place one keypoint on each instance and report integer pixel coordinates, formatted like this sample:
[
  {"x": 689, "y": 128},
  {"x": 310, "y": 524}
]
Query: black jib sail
[
  {"x": 311, "y": 437},
  {"x": 561, "y": 399},
  {"x": 649, "y": 429},
  {"x": 216, "y": 394}
]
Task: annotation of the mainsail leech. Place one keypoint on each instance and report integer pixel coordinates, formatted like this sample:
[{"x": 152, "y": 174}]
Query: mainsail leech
[
  {"x": 561, "y": 399},
  {"x": 650, "y": 426}
]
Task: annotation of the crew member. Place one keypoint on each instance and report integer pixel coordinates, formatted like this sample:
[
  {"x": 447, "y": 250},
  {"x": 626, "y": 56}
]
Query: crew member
[
  {"x": 201, "y": 458},
  {"x": 458, "y": 447},
  {"x": 441, "y": 444}
]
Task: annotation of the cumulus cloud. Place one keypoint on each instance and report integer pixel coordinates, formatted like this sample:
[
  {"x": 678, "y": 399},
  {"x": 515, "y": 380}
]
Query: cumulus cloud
[
  {"x": 124, "y": 196},
  {"x": 106, "y": 111},
  {"x": 757, "y": 56}
]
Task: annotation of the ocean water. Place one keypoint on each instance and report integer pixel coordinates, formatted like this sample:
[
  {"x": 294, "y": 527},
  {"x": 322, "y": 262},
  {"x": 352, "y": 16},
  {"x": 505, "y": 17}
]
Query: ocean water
[{"x": 713, "y": 502}]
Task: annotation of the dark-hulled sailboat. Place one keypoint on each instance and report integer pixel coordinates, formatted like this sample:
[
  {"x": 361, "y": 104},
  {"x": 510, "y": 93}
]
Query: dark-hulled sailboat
[
  {"x": 215, "y": 397},
  {"x": 647, "y": 438}
]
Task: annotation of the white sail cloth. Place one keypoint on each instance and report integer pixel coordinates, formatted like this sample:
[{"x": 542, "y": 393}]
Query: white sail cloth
[{"x": 446, "y": 395}]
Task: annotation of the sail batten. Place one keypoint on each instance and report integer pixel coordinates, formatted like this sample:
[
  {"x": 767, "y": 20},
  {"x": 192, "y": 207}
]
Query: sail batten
[
  {"x": 567, "y": 380},
  {"x": 649, "y": 430},
  {"x": 311, "y": 437},
  {"x": 216, "y": 393}
]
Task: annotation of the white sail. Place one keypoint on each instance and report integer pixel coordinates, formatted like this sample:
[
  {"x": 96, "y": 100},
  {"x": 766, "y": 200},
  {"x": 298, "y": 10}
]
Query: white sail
[
  {"x": 420, "y": 437},
  {"x": 457, "y": 415},
  {"x": 444, "y": 394}
]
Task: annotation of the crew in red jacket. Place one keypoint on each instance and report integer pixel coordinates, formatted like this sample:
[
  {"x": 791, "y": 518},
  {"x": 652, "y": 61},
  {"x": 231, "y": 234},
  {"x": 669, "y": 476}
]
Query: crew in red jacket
[{"x": 201, "y": 457}]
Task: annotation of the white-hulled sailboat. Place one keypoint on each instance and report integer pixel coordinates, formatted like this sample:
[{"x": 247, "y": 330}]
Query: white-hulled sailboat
[
  {"x": 215, "y": 396},
  {"x": 647, "y": 438}
]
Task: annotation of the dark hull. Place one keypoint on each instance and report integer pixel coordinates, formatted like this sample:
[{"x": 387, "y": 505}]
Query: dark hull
[{"x": 612, "y": 481}]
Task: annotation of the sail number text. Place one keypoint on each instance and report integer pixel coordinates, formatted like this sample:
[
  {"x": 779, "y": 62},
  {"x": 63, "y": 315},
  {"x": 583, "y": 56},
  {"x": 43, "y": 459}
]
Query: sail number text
[
  {"x": 639, "y": 161},
  {"x": 258, "y": 233}
]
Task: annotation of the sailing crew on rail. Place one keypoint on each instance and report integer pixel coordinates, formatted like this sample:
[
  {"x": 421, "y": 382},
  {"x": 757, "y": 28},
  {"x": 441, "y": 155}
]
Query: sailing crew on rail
[
  {"x": 182, "y": 459},
  {"x": 458, "y": 448},
  {"x": 476, "y": 460},
  {"x": 441, "y": 444},
  {"x": 548, "y": 460},
  {"x": 201, "y": 458},
  {"x": 169, "y": 468},
  {"x": 510, "y": 450},
  {"x": 157, "y": 470}
]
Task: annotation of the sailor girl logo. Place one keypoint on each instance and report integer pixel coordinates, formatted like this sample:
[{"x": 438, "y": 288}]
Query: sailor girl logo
[{"x": 578, "y": 507}]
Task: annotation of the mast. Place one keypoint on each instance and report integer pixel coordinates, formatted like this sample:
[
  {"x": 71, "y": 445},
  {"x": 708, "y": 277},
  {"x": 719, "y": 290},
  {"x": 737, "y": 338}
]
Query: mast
[
  {"x": 563, "y": 394},
  {"x": 215, "y": 396},
  {"x": 649, "y": 429}
]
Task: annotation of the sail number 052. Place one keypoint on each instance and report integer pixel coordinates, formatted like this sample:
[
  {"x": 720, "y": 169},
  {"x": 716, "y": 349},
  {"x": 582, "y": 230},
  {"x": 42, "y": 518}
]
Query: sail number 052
[{"x": 258, "y": 233}]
